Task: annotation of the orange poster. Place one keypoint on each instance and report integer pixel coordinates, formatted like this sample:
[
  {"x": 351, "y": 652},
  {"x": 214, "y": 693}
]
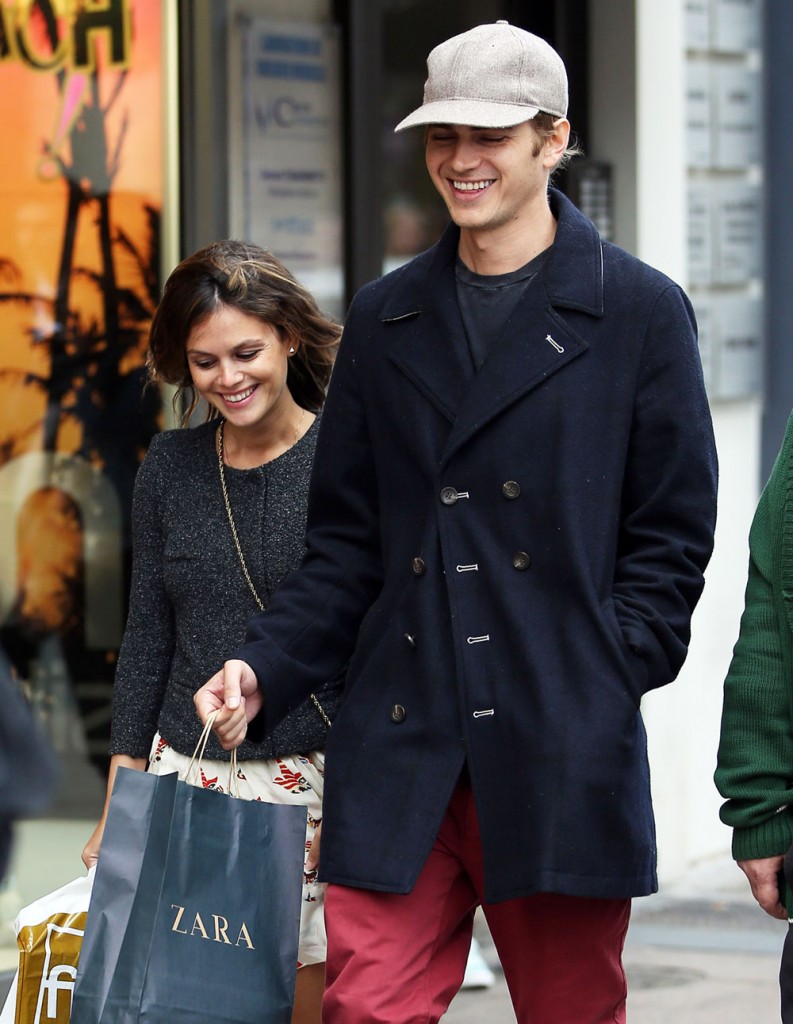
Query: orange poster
[{"x": 81, "y": 191}]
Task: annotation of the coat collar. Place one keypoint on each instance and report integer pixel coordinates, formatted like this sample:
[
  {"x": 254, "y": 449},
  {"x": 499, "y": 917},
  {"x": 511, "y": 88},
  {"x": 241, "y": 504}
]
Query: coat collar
[
  {"x": 572, "y": 275},
  {"x": 426, "y": 338}
]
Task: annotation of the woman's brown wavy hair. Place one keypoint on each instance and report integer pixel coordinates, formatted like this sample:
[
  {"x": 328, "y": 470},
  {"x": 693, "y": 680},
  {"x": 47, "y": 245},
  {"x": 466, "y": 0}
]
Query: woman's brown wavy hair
[{"x": 245, "y": 277}]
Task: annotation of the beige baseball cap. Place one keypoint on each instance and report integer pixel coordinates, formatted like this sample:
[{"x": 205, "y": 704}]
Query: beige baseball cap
[{"x": 493, "y": 76}]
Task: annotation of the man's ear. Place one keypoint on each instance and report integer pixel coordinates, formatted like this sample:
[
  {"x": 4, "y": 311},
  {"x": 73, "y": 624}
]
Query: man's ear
[{"x": 556, "y": 143}]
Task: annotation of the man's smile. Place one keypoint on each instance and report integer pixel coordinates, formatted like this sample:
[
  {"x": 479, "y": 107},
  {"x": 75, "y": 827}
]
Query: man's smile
[{"x": 473, "y": 186}]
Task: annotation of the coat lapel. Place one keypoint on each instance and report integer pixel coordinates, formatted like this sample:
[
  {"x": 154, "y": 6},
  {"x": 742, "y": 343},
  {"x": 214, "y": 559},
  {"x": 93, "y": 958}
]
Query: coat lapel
[
  {"x": 426, "y": 337},
  {"x": 537, "y": 343},
  {"x": 425, "y": 330}
]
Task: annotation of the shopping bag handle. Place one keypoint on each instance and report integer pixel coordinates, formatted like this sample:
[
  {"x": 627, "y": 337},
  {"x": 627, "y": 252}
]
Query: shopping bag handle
[{"x": 198, "y": 757}]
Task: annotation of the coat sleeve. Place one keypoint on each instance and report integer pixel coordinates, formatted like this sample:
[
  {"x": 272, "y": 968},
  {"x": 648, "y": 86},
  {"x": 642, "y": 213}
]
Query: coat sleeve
[
  {"x": 147, "y": 648},
  {"x": 755, "y": 759},
  {"x": 308, "y": 632},
  {"x": 669, "y": 494}
]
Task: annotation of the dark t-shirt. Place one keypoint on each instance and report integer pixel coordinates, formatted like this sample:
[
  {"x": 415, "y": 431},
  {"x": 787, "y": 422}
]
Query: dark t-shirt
[{"x": 487, "y": 300}]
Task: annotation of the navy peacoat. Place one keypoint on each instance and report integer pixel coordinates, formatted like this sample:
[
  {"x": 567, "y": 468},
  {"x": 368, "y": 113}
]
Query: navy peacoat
[{"x": 508, "y": 560}]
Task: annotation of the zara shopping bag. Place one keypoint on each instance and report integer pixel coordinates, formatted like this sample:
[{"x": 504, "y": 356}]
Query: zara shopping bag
[{"x": 195, "y": 910}]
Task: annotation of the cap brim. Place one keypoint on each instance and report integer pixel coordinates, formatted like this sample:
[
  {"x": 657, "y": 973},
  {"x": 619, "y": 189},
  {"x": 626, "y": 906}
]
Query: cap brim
[{"x": 476, "y": 113}]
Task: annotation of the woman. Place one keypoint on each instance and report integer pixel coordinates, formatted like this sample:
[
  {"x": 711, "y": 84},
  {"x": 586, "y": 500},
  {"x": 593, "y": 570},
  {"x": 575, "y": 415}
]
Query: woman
[
  {"x": 755, "y": 760},
  {"x": 218, "y": 521}
]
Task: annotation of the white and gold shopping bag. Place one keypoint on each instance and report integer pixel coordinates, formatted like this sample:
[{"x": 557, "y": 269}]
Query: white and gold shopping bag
[{"x": 49, "y": 936}]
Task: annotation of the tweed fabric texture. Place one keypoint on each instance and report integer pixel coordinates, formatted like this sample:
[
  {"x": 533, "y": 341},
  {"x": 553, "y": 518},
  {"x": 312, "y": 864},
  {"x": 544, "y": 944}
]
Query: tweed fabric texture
[
  {"x": 493, "y": 76},
  {"x": 189, "y": 602}
]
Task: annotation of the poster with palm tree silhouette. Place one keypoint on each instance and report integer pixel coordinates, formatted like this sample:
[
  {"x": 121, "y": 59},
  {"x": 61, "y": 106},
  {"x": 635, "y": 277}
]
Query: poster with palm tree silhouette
[{"x": 81, "y": 189}]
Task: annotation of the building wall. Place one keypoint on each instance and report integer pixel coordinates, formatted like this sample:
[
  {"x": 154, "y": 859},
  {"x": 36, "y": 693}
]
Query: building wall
[{"x": 638, "y": 120}]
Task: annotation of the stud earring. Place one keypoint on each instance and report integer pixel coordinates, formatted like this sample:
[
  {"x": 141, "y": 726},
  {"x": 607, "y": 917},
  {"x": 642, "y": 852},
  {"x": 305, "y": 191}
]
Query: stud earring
[{"x": 292, "y": 350}]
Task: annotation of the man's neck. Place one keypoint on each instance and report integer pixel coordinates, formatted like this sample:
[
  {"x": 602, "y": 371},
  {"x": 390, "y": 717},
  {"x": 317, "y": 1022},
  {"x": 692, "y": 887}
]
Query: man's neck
[{"x": 508, "y": 247}]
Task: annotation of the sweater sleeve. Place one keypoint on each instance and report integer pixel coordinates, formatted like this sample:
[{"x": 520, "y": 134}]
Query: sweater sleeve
[
  {"x": 309, "y": 630},
  {"x": 755, "y": 758},
  {"x": 147, "y": 648},
  {"x": 668, "y": 511}
]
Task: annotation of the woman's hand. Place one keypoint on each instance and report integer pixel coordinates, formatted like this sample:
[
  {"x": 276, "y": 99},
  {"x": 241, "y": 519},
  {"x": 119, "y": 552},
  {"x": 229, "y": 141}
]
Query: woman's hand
[
  {"x": 90, "y": 854},
  {"x": 312, "y": 857}
]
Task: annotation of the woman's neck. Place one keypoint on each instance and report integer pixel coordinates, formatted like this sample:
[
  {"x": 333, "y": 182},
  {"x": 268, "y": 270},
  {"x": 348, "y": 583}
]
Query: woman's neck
[{"x": 245, "y": 447}]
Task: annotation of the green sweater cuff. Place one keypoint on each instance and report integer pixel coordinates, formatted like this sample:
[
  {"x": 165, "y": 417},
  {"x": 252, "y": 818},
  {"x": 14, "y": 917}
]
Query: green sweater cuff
[{"x": 769, "y": 839}]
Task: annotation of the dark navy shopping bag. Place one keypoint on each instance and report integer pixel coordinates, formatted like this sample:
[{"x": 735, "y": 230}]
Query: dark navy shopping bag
[{"x": 195, "y": 909}]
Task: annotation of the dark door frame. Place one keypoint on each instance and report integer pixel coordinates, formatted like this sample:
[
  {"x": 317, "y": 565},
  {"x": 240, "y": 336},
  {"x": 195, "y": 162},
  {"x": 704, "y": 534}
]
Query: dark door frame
[{"x": 563, "y": 23}]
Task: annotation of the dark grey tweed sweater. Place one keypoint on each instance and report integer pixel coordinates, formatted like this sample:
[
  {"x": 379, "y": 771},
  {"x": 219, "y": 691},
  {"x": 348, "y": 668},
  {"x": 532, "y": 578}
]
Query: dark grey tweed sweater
[{"x": 190, "y": 602}]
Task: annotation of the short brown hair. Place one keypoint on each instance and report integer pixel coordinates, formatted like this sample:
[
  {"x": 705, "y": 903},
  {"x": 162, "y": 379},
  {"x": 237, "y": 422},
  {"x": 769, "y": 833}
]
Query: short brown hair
[
  {"x": 245, "y": 277},
  {"x": 544, "y": 125}
]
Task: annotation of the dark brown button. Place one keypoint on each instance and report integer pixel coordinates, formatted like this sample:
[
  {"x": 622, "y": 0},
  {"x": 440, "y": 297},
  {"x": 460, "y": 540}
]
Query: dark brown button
[
  {"x": 521, "y": 560},
  {"x": 410, "y": 639},
  {"x": 510, "y": 489},
  {"x": 419, "y": 566},
  {"x": 397, "y": 713},
  {"x": 448, "y": 495}
]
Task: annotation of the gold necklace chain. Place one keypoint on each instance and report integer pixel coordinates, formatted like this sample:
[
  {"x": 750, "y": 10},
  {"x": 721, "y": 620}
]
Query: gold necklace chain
[{"x": 238, "y": 546}]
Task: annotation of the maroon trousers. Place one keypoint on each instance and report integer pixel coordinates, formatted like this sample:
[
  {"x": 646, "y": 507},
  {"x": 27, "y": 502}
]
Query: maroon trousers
[{"x": 401, "y": 959}]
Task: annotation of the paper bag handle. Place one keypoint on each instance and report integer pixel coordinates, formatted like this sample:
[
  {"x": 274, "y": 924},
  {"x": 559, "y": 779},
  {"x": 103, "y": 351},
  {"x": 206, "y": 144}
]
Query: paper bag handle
[{"x": 198, "y": 757}]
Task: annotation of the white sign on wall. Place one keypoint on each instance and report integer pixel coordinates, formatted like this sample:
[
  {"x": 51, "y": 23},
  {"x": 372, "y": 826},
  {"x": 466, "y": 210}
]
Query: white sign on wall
[
  {"x": 700, "y": 234},
  {"x": 737, "y": 117},
  {"x": 697, "y": 24},
  {"x": 738, "y": 229},
  {"x": 703, "y": 310},
  {"x": 737, "y": 346},
  {"x": 735, "y": 25},
  {"x": 699, "y": 115},
  {"x": 292, "y": 150}
]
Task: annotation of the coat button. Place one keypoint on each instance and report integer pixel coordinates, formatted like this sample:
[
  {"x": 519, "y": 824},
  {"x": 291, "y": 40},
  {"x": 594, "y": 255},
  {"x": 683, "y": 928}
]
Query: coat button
[
  {"x": 448, "y": 495},
  {"x": 410, "y": 639},
  {"x": 521, "y": 560},
  {"x": 510, "y": 489},
  {"x": 397, "y": 713},
  {"x": 419, "y": 566}
]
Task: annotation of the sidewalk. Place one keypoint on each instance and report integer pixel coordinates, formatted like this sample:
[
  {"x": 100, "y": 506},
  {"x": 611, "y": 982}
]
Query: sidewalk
[{"x": 700, "y": 952}]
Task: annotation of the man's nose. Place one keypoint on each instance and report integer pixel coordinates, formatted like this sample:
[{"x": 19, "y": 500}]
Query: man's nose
[{"x": 465, "y": 155}]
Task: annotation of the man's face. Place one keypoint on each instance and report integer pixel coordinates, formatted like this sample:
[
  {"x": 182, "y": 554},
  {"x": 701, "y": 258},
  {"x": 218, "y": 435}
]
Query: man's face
[{"x": 488, "y": 177}]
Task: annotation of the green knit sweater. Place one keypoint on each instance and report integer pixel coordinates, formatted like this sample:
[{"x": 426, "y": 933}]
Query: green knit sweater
[{"x": 755, "y": 760}]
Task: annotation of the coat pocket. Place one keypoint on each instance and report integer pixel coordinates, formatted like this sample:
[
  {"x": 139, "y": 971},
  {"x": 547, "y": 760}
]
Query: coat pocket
[{"x": 633, "y": 668}]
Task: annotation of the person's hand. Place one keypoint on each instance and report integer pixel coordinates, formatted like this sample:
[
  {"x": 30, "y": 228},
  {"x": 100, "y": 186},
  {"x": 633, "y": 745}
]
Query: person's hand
[
  {"x": 763, "y": 873},
  {"x": 90, "y": 854},
  {"x": 234, "y": 693},
  {"x": 312, "y": 857}
]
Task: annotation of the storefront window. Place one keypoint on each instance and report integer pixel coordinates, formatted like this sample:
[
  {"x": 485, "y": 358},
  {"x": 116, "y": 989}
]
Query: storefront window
[{"x": 81, "y": 196}]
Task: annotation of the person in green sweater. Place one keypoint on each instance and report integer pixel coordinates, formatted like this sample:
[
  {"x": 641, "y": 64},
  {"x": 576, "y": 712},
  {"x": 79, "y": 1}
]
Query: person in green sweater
[{"x": 755, "y": 760}]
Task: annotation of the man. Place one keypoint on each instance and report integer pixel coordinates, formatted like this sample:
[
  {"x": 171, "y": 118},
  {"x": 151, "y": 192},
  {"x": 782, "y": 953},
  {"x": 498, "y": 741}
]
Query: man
[
  {"x": 511, "y": 510},
  {"x": 755, "y": 761}
]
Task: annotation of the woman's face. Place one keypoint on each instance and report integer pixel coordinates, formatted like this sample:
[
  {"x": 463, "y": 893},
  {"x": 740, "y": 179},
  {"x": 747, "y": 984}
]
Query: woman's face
[{"x": 238, "y": 364}]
